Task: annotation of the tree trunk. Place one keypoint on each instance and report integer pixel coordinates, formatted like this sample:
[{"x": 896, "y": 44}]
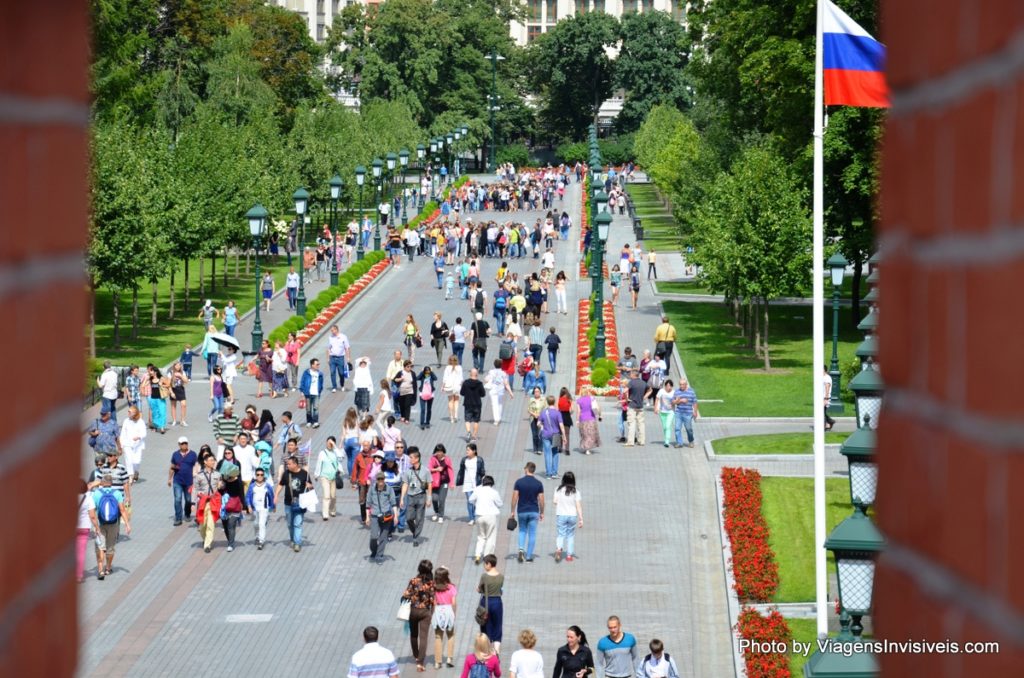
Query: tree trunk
[
  {"x": 248, "y": 261},
  {"x": 135, "y": 312},
  {"x": 226, "y": 268},
  {"x": 170, "y": 311},
  {"x": 185, "y": 302},
  {"x": 767, "y": 359},
  {"x": 202, "y": 281},
  {"x": 755, "y": 331},
  {"x": 213, "y": 272},
  {"x": 858, "y": 271},
  {"x": 92, "y": 317},
  {"x": 152, "y": 319},
  {"x": 116, "y": 298},
  {"x": 238, "y": 256}
]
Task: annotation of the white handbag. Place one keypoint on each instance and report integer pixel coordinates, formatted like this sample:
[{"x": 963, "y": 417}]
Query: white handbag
[
  {"x": 307, "y": 501},
  {"x": 404, "y": 609}
]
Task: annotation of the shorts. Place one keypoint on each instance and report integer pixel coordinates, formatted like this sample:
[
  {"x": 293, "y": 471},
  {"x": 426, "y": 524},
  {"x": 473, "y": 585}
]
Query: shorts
[
  {"x": 473, "y": 415},
  {"x": 267, "y": 294},
  {"x": 106, "y": 538}
]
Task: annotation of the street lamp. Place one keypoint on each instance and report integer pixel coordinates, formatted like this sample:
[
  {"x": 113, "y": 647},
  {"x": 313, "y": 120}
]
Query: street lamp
[
  {"x": 391, "y": 160},
  {"x": 403, "y": 161},
  {"x": 455, "y": 164},
  {"x": 257, "y": 217},
  {"x": 604, "y": 220},
  {"x": 421, "y": 152},
  {"x": 837, "y": 267},
  {"x": 360, "y": 180},
  {"x": 337, "y": 183},
  {"x": 301, "y": 198},
  {"x": 376, "y": 167},
  {"x": 494, "y": 58}
]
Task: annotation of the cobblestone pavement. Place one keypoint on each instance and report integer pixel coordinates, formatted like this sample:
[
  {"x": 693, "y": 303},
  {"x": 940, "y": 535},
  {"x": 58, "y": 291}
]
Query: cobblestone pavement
[{"x": 649, "y": 551}]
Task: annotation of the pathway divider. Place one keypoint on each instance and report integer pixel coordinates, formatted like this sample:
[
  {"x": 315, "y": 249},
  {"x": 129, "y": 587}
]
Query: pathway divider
[
  {"x": 600, "y": 373},
  {"x": 339, "y": 304}
]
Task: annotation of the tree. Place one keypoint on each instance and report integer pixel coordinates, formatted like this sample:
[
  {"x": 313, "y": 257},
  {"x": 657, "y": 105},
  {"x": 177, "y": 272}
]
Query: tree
[
  {"x": 571, "y": 71},
  {"x": 649, "y": 67},
  {"x": 681, "y": 170},
  {"x": 122, "y": 36},
  {"x": 660, "y": 123}
]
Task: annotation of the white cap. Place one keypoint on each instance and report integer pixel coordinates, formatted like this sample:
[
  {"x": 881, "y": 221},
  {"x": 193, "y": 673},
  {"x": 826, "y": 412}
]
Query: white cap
[
  {"x": 183, "y": 439},
  {"x": 479, "y": 315},
  {"x": 209, "y": 302}
]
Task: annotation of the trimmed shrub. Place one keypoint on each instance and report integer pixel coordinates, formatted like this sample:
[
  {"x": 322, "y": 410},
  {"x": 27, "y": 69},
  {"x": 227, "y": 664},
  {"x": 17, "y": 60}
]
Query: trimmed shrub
[{"x": 600, "y": 378}]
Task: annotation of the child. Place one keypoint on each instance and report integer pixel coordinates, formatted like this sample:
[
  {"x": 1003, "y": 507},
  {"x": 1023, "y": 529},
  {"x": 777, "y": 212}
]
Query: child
[
  {"x": 186, "y": 360},
  {"x": 449, "y": 286},
  {"x": 261, "y": 498}
]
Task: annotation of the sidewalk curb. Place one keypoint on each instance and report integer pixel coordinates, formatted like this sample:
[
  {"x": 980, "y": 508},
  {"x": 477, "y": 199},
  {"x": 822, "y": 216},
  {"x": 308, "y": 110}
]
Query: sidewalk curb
[
  {"x": 739, "y": 665},
  {"x": 709, "y": 453}
]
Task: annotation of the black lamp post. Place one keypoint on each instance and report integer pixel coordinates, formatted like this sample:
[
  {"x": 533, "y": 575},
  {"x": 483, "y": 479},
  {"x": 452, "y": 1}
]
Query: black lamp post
[
  {"x": 337, "y": 184},
  {"x": 449, "y": 139},
  {"x": 837, "y": 267},
  {"x": 257, "y": 218},
  {"x": 301, "y": 198},
  {"x": 421, "y": 154},
  {"x": 376, "y": 166},
  {"x": 494, "y": 57},
  {"x": 603, "y": 222},
  {"x": 390, "y": 160},
  {"x": 360, "y": 180},
  {"x": 403, "y": 162}
]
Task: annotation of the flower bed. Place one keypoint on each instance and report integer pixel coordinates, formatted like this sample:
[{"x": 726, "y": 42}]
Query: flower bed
[
  {"x": 585, "y": 268},
  {"x": 328, "y": 313},
  {"x": 755, "y": 571},
  {"x": 585, "y": 361},
  {"x": 752, "y": 625}
]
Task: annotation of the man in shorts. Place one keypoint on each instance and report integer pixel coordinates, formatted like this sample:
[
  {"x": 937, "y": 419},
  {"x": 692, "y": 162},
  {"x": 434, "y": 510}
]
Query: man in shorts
[
  {"x": 473, "y": 393},
  {"x": 109, "y": 530}
]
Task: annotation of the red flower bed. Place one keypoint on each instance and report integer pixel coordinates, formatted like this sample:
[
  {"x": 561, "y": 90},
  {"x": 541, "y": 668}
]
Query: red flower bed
[
  {"x": 583, "y": 359},
  {"x": 767, "y": 630},
  {"x": 325, "y": 316},
  {"x": 755, "y": 571}
]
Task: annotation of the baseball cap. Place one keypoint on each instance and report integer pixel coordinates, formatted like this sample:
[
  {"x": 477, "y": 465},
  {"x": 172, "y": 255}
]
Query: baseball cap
[
  {"x": 183, "y": 439},
  {"x": 378, "y": 453}
]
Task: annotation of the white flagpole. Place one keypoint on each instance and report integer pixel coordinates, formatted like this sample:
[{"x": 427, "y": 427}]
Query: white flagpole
[{"x": 818, "y": 317}]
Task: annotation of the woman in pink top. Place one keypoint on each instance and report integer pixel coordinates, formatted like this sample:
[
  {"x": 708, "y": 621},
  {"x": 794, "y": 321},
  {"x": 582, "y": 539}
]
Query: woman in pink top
[
  {"x": 291, "y": 348},
  {"x": 483, "y": 653},
  {"x": 443, "y": 620}
]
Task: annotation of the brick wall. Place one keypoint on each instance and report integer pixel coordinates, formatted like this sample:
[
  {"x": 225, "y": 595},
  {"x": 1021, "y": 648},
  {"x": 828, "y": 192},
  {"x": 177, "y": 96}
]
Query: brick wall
[
  {"x": 952, "y": 433},
  {"x": 44, "y": 55}
]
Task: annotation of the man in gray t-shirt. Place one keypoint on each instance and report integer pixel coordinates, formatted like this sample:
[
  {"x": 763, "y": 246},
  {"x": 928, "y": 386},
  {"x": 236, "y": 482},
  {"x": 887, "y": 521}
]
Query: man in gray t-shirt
[{"x": 637, "y": 393}]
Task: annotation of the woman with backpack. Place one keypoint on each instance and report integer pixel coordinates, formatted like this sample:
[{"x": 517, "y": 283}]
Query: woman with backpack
[
  {"x": 427, "y": 386},
  {"x": 588, "y": 414},
  {"x": 483, "y": 662},
  {"x": 420, "y": 594}
]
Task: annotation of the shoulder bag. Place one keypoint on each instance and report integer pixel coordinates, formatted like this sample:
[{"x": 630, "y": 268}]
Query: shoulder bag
[
  {"x": 481, "y": 610},
  {"x": 404, "y": 609}
]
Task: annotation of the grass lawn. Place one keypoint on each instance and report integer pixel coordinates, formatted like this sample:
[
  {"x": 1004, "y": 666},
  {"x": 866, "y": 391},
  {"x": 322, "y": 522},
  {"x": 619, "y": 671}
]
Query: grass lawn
[
  {"x": 774, "y": 443},
  {"x": 682, "y": 287},
  {"x": 806, "y": 631},
  {"x": 788, "y": 507},
  {"x": 721, "y": 367}
]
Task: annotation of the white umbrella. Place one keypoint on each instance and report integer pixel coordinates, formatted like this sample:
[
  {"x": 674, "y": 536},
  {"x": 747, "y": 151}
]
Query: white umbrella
[{"x": 226, "y": 340}]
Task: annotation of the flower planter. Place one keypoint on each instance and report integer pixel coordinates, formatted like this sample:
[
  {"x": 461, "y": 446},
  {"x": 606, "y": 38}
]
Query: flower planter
[{"x": 330, "y": 311}]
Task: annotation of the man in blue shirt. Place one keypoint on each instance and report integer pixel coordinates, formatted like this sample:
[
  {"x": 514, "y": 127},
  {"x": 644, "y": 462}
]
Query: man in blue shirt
[
  {"x": 179, "y": 479},
  {"x": 528, "y": 507},
  {"x": 685, "y": 401},
  {"x": 616, "y": 652},
  {"x": 312, "y": 386}
]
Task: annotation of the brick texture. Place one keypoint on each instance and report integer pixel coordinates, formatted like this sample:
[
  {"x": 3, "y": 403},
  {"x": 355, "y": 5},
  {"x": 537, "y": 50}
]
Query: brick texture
[
  {"x": 951, "y": 202},
  {"x": 44, "y": 70}
]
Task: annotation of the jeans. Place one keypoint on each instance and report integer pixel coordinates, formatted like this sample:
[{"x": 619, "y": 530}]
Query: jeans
[
  {"x": 230, "y": 525},
  {"x": 426, "y": 408},
  {"x": 528, "y": 531},
  {"x": 499, "y": 321},
  {"x": 538, "y": 446},
  {"x": 211, "y": 362},
  {"x": 218, "y": 405},
  {"x": 336, "y": 366},
  {"x": 312, "y": 409},
  {"x": 470, "y": 506},
  {"x": 291, "y": 293},
  {"x": 294, "y": 516},
  {"x": 457, "y": 350},
  {"x": 550, "y": 457},
  {"x": 379, "y": 533},
  {"x": 188, "y": 369},
  {"x": 230, "y": 330},
  {"x": 439, "y": 496},
  {"x": 351, "y": 447},
  {"x": 478, "y": 358},
  {"x": 552, "y": 358},
  {"x": 683, "y": 421},
  {"x": 667, "y": 419},
  {"x": 440, "y": 278},
  {"x": 566, "y": 534},
  {"x": 182, "y": 501},
  {"x": 110, "y": 405}
]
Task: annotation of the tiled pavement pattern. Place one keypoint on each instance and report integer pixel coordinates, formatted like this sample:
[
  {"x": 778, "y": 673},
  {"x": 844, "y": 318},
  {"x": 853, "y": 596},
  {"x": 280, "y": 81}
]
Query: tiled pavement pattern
[{"x": 649, "y": 551}]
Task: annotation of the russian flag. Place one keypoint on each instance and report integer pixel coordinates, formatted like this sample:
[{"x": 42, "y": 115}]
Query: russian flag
[{"x": 854, "y": 63}]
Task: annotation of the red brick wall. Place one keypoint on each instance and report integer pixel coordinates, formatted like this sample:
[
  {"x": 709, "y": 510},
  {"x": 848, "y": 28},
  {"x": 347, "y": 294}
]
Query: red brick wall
[
  {"x": 952, "y": 433},
  {"x": 44, "y": 56}
]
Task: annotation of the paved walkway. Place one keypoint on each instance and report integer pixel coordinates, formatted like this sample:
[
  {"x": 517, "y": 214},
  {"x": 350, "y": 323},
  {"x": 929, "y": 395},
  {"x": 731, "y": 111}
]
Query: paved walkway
[{"x": 170, "y": 608}]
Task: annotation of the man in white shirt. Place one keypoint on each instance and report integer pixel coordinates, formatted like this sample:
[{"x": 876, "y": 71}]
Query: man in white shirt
[
  {"x": 385, "y": 211},
  {"x": 458, "y": 339},
  {"x": 362, "y": 382},
  {"x": 133, "y": 441},
  {"x": 107, "y": 381},
  {"x": 372, "y": 660},
  {"x": 487, "y": 504},
  {"x": 292, "y": 287},
  {"x": 247, "y": 459},
  {"x": 339, "y": 354},
  {"x": 548, "y": 260}
]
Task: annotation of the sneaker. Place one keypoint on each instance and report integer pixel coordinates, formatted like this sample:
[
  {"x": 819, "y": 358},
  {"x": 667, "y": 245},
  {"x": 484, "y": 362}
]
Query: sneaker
[
  {"x": 209, "y": 418},
  {"x": 230, "y": 549},
  {"x": 433, "y": 519},
  {"x": 334, "y": 390},
  {"x": 690, "y": 445},
  {"x": 530, "y": 559},
  {"x": 296, "y": 548},
  {"x": 522, "y": 557},
  {"x": 184, "y": 423},
  {"x": 558, "y": 556},
  {"x": 415, "y": 542},
  {"x": 472, "y": 522},
  {"x": 174, "y": 423},
  {"x": 440, "y": 519},
  {"x": 476, "y": 560},
  {"x": 177, "y": 523},
  {"x": 325, "y": 519},
  {"x": 206, "y": 549},
  {"x": 259, "y": 546},
  {"x": 568, "y": 559}
]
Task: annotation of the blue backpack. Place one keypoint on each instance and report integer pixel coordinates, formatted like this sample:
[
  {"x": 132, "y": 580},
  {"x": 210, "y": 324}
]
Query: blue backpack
[
  {"x": 499, "y": 302},
  {"x": 108, "y": 509},
  {"x": 479, "y": 670}
]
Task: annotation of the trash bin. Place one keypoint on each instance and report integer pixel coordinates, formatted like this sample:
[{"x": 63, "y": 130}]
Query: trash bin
[{"x": 638, "y": 228}]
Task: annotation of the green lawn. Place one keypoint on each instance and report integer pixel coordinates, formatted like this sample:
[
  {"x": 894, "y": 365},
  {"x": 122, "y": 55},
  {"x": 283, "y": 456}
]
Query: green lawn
[
  {"x": 774, "y": 443},
  {"x": 682, "y": 287},
  {"x": 721, "y": 367},
  {"x": 788, "y": 507},
  {"x": 806, "y": 631}
]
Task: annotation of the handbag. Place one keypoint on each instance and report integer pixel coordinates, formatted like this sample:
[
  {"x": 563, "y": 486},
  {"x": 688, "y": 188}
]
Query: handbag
[
  {"x": 481, "y": 611},
  {"x": 302, "y": 403},
  {"x": 339, "y": 480},
  {"x": 512, "y": 523},
  {"x": 307, "y": 501},
  {"x": 404, "y": 608},
  {"x": 418, "y": 340}
]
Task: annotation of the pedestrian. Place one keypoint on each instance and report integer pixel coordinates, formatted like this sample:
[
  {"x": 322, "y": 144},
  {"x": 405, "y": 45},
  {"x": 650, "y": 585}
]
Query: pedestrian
[
  {"x": 617, "y": 654},
  {"x": 552, "y": 429},
  {"x": 372, "y": 660},
  {"x": 560, "y": 283},
  {"x": 104, "y": 434},
  {"x": 441, "y": 476},
  {"x": 656, "y": 371},
  {"x": 637, "y": 394},
  {"x": 107, "y": 383},
  {"x": 416, "y": 494},
  {"x": 328, "y": 471},
  {"x": 451, "y": 385},
  {"x": 615, "y": 281},
  {"x": 234, "y": 499},
  {"x": 350, "y": 437},
  {"x": 279, "y": 365},
  {"x": 443, "y": 620},
  {"x": 208, "y": 313},
  {"x": 568, "y": 517},
  {"x": 229, "y": 359},
  {"x": 526, "y": 662},
  {"x": 226, "y": 428},
  {"x": 339, "y": 354},
  {"x": 471, "y": 472},
  {"x": 664, "y": 338},
  {"x": 420, "y": 594},
  {"x": 360, "y": 475},
  {"x": 132, "y": 384},
  {"x": 157, "y": 398},
  {"x": 110, "y": 511},
  {"x": 497, "y": 386},
  {"x": 685, "y": 401},
  {"x": 574, "y": 659},
  {"x": 534, "y": 408},
  {"x": 439, "y": 332},
  {"x": 217, "y": 392},
  {"x": 265, "y": 368},
  {"x": 664, "y": 408},
  {"x": 490, "y": 588},
  {"x": 266, "y": 427},
  {"x": 291, "y": 286},
  {"x": 552, "y": 341},
  {"x": 472, "y": 392},
  {"x": 289, "y": 436},
  {"x": 133, "y": 441},
  {"x": 294, "y": 482},
  {"x": 210, "y": 350},
  {"x": 487, "y": 507},
  {"x": 267, "y": 287},
  {"x": 381, "y": 516},
  {"x": 179, "y": 479},
  {"x": 405, "y": 381},
  {"x": 565, "y": 408},
  {"x": 230, "y": 318},
  {"x": 411, "y": 336},
  {"x": 528, "y": 508},
  {"x": 208, "y": 485},
  {"x": 292, "y": 352},
  {"x": 657, "y": 664},
  {"x": 427, "y": 382},
  {"x": 87, "y": 519},
  {"x": 312, "y": 387},
  {"x": 652, "y": 267},
  {"x": 260, "y": 498},
  {"x": 826, "y": 382},
  {"x": 247, "y": 458},
  {"x": 483, "y": 662},
  {"x": 479, "y": 331},
  {"x": 362, "y": 382},
  {"x": 634, "y": 282}
]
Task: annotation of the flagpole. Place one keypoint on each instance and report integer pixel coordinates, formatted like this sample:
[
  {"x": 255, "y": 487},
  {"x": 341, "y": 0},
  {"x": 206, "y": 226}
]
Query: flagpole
[{"x": 818, "y": 319}]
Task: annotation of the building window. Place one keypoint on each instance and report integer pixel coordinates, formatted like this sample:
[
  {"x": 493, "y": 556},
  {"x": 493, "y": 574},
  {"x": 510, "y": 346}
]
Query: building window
[
  {"x": 552, "y": 11},
  {"x": 628, "y": 6},
  {"x": 532, "y": 31},
  {"x": 533, "y": 10}
]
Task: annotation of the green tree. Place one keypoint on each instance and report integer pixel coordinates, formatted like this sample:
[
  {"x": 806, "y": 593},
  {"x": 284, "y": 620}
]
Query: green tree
[
  {"x": 570, "y": 69},
  {"x": 121, "y": 37},
  {"x": 649, "y": 67},
  {"x": 681, "y": 170},
  {"x": 660, "y": 123},
  {"x": 234, "y": 85}
]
